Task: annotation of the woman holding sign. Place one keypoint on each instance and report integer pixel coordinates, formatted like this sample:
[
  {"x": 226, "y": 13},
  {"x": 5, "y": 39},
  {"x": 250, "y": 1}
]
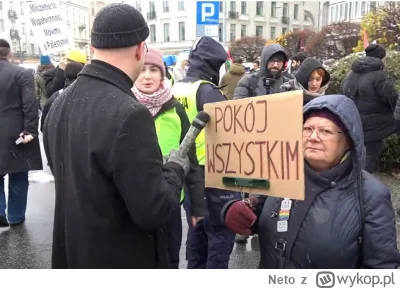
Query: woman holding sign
[
  {"x": 153, "y": 90},
  {"x": 346, "y": 220}
]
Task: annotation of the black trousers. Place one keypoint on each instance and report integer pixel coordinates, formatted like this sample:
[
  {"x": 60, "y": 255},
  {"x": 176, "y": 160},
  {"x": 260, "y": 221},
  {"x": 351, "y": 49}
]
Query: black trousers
[{"x": 175, "y": 239}]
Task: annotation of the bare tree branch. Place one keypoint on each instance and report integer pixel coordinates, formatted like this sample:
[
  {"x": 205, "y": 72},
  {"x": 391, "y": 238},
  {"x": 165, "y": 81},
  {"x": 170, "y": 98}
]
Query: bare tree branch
[{"x": 248, "y": 47}]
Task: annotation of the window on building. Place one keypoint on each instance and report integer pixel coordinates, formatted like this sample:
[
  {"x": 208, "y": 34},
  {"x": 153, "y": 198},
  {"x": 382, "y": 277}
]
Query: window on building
[
  {"x": 337, "y": 13},
  {"x": 331, "y": 15},
  {"x": 285, "y": 10},
  {"x": 341, "y": 17},
  {"x": 166, "y": 32},
  {"x": 273, "y": 32},
  {"x": 139, "y": 5},
  {"x": 182, "y": 33},
  {"x": 152, "y": 7},
  {"x": 221, "y": 6},
  {"x": 23, "y": 28},
  {"x": 165, "y": 6},
  {"x": 260, "y": 8},
  {"x": 284, "y": 30},
  {"x": 243, "y": 30},
  {"x": 1, "y": 5},
  {"x": 33, "y": 49},
  {"x": 181, "y": 5},
  {"x": 372, "y": 6},
  {"x": 232, "y": 5},
  {"x": 232, "y": 32},
  {"x": 296, "y": 11},
  {"x": 22, "y": 9},
  {"x": 220, "y": 32},
  {"x": 93, "y": 12},
  {"x": 2, "y": 28},
  {"x": 363, "y": 8},
  {"x": 244, "y": 7},
  {"x": 259, "y": 31},
  {"x": 153, "y": 37},
  {"x": 346, "y": 12},
  {"x": 351, "y": 10},
  {"x": 273, "y": 9},
  {"x": 356, "y": 12}
]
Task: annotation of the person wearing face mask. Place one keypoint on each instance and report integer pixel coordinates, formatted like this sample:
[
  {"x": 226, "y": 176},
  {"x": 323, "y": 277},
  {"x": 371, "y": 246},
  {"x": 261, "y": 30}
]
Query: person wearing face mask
[
  {"x": 114, "y": 195},
  {"x": 311, "y": 77},
  {"x": 346, "y": 220},
  {"x": 152, "y": 89},
  {"x": 209, "y": 243},
  {"x": 269, "y": 78}
]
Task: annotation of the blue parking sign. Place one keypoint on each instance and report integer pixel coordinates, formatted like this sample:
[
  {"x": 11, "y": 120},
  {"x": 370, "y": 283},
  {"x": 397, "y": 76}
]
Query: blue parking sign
[{"x": 207, "y": 13}]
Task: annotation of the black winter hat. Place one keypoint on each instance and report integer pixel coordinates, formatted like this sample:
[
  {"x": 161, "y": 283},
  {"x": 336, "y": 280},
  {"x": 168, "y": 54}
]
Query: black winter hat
[
  {"x": 72, "y": 69},
  {"x": 4, "y": 43},
  {"x": 118, "y": 25},
  {"x": 375, "y": 50}
]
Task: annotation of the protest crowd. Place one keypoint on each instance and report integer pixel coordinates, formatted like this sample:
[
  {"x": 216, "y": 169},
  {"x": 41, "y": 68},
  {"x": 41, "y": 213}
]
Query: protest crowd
[{"x": 112, "y": 132}]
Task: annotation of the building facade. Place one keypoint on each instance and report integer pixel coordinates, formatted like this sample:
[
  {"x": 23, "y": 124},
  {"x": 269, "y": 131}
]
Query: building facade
[
  {"x": 15, "y": 28},
  {"x": 173, "y": 23},
  {"x": 351, "y": 10}
]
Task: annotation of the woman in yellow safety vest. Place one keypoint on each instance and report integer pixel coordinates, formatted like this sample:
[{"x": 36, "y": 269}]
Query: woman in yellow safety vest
[{"x": 153, "y": 90}]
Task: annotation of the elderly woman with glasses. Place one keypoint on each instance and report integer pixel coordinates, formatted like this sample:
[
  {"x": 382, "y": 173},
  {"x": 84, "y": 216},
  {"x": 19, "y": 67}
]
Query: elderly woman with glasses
[{"x": 346, "y": 220}]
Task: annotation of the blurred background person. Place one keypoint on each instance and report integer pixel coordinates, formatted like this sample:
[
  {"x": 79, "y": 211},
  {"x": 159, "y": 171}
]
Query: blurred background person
[
  {"x": 296, "y": 61},
  {"x": 40, "y": 89},
  {"x": 230, "y": 79},
  {"x": 179, "y": 71}
]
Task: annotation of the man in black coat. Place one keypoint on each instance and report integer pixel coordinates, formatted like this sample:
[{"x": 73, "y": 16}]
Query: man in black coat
[
  {"x": 114, "y": 197},
  {"x": 18, "y": 118},
  {"x": 375, "y": 96}
]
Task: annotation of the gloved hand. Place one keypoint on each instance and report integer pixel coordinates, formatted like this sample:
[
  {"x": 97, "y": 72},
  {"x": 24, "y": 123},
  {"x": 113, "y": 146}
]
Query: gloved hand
[
  {"x": 183, "y": 162},
  {"x": 240, "y": 218}
]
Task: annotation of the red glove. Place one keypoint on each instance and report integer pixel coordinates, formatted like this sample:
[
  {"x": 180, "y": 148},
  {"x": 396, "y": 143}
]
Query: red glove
[{"x": 240, "y": 218}]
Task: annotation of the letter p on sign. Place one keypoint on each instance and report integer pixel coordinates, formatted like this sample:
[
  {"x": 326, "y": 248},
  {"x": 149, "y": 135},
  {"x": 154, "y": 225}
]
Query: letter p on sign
[{"x": 207, "y": 10}]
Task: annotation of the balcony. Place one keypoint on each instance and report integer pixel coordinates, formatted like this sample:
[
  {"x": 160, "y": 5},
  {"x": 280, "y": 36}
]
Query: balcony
[
  {"x": 233, "y": 15},
  {"x": 285, "y": 19},
  {"x": 151, "y": 15},
  {"x": 12, "y": 15},
  {"x": 14, "y": 34}
]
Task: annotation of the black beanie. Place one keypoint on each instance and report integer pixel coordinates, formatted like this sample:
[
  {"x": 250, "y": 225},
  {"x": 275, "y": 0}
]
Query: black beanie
[
  {"x": 4, "y": 43},
  {"x": 72, "y": 69},
  {"x": 118, "y": 25},
  {"x": 375, "y": 50}
]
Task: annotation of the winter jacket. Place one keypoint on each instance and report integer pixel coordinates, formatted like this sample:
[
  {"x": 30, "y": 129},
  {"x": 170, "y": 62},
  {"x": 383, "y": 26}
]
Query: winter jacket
[
  {"x": 53, "y": 80},
  {"x": 342, "y": 207},
  {"x": 301, "y": 79},
  {"x": 40, "y": 89},
  {"x": 194, "y": 182},
  {"x": 114, "y": 198},
  {"x": 205, "y": 61},
  {"x": 230, "y": 80},
  {"x": 375, "y": 96},
  {"x": 18, "y": 113},
  {"x": 245, "y": 86}
]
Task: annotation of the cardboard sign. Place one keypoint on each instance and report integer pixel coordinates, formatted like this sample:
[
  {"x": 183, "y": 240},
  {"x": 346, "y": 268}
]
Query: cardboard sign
[
  {"x": 48, "y": 26},
  {"x": 257, "y": 138}
]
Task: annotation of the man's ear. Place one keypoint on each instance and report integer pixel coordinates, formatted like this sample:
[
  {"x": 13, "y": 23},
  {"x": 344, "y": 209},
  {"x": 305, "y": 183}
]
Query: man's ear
[{"x": 140, "y": 53}]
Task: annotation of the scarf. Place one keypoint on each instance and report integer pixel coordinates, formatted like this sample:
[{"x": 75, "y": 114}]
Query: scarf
[{"x": 156, "y": 100}]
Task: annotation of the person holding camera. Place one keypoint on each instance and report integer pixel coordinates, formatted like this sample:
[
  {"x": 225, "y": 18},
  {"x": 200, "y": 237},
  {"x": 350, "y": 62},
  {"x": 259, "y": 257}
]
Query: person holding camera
[{"x": 269, "y": 78}]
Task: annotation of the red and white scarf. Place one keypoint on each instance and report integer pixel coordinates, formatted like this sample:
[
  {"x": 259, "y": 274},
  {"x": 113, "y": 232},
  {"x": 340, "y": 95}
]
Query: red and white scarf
[{"x": 154, "y": 101}]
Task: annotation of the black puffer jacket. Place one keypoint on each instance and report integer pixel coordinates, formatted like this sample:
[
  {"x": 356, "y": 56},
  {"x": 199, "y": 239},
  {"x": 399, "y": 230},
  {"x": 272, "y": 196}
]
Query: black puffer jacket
[
  {"x": 324, "y": 228},
  {"x": 375, "y": 96}
]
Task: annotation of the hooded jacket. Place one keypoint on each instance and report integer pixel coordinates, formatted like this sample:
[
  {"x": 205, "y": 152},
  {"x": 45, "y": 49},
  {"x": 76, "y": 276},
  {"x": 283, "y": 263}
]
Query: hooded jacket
[
  {"x": 340, "y": 206},
  {"x": 40, "y": 89},
  {"x": 230, "y": 80},
  {"x": 205, "y": 60},
  {"x": 302, "y": 77},
  {"x": 375, "y": 96},
  {"x": 244, "y": 88}
]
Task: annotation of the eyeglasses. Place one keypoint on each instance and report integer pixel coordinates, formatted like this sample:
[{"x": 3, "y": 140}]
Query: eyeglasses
[
  {"x": 279, "y": 61},
  {"x": 323, "y": 134}
]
